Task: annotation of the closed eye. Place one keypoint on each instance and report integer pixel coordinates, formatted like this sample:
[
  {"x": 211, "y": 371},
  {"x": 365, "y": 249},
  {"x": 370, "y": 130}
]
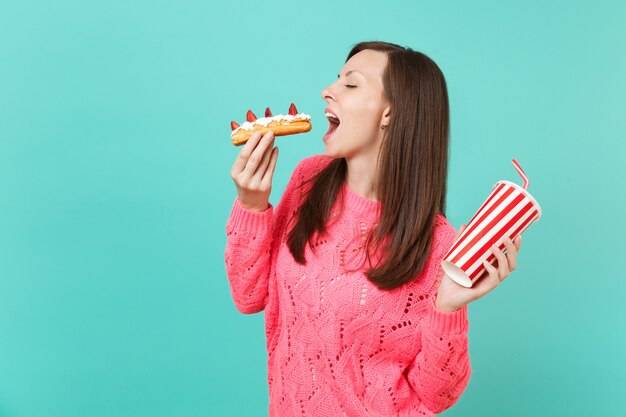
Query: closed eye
[{"x": 350, "y": 86}]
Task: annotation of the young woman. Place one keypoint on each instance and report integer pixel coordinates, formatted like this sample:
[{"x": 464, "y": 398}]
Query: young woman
[{"x": 360, "y": 318}]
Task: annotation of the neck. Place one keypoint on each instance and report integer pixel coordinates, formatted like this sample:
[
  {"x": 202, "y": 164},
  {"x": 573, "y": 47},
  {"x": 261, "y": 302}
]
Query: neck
[{"x": 361, "y": 176}]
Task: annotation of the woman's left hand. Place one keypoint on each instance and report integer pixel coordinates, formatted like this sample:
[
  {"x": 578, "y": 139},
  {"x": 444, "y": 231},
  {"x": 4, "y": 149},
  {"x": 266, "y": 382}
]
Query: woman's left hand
[{"x": 452, "y": 296}]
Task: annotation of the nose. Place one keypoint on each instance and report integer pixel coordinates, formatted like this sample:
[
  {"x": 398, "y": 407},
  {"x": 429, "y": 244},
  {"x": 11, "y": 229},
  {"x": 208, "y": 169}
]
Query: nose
[{"x": 327, "y": 94}]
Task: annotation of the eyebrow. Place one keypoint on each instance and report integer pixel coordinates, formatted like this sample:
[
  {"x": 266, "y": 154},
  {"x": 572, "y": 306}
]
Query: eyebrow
[{"x": 350, "y": 72}]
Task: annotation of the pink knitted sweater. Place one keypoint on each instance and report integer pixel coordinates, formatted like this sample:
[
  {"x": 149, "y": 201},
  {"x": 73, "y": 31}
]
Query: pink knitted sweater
[{"x": 337, "y": 345}]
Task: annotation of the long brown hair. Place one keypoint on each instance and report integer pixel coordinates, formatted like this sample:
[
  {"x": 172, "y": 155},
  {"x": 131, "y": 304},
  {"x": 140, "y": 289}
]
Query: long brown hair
[{"x": 412, "y": 171}]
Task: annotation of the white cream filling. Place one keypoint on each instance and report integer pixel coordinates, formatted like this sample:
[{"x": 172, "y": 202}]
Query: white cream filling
[{"x": 265, "y": 121}]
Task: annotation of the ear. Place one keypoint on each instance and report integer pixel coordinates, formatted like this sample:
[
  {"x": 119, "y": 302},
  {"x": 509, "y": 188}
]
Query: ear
[{"x": 386, "y": 117}]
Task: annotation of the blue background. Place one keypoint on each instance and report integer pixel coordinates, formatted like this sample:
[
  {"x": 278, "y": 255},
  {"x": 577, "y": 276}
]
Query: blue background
[{"x": 115, "y": 190}]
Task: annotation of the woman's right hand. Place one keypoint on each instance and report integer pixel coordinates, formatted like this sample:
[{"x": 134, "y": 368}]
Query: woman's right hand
[{"x": 253, "y": 170}]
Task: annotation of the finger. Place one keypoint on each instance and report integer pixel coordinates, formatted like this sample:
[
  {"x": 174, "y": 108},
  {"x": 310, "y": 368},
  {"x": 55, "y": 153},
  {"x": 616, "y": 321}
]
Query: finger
[
  {"x": 518, "y": 242},
  {"x": 244, "y": 154},
  {"x": 503, "y": 264},
  {"x": 267, "y": 156},
  {"x": 489, "y": 282},
  {"x": 257, "y": 154},
  {"x": 461, "y": 229},
  {"x": 511, "y": 253},
  {"x": 269, "y": 172}
]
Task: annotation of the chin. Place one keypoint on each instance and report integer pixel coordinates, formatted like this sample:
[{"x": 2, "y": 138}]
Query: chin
[
  {"x": 331, "y": 149},
  {"x": 330, "y": 152}
]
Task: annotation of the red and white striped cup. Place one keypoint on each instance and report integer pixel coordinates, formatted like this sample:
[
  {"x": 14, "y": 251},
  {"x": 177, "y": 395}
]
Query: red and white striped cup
[{"x": 508, "y": 211}]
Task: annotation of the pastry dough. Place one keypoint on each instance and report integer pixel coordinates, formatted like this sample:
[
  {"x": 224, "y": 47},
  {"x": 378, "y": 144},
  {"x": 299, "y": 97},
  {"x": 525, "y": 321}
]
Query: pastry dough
[{"x": 281, "y": 125}]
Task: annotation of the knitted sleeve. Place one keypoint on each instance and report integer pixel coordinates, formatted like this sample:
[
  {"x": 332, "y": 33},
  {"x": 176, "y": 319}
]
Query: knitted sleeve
[
  {"x": 254, "y": 237},
  {"x": 247, "y": 256},
  {"x": 441, "y": 370}
]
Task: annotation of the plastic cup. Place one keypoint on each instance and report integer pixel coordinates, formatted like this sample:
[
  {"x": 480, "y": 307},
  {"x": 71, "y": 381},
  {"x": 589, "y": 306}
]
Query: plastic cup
[{"x": 507, "y": 212}]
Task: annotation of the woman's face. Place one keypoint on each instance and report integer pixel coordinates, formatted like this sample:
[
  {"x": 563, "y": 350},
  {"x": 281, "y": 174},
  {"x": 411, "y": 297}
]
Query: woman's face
[{"x": 357, "y": 107}]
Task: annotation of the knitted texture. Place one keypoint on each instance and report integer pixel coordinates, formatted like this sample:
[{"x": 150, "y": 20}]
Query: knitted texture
[{"x": 336, "y": 344}]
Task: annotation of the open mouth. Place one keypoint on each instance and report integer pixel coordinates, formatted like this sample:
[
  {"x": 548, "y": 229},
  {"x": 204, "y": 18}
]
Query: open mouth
[{"x": 333, "y": 123}]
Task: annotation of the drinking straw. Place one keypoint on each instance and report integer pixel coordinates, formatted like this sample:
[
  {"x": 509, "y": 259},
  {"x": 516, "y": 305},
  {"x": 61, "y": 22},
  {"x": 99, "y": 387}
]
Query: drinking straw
[{"x": 521, "y": 173}]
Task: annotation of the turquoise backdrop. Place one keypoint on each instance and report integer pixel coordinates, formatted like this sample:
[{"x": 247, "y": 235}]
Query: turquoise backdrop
[{"x": 115, "y": 190}]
